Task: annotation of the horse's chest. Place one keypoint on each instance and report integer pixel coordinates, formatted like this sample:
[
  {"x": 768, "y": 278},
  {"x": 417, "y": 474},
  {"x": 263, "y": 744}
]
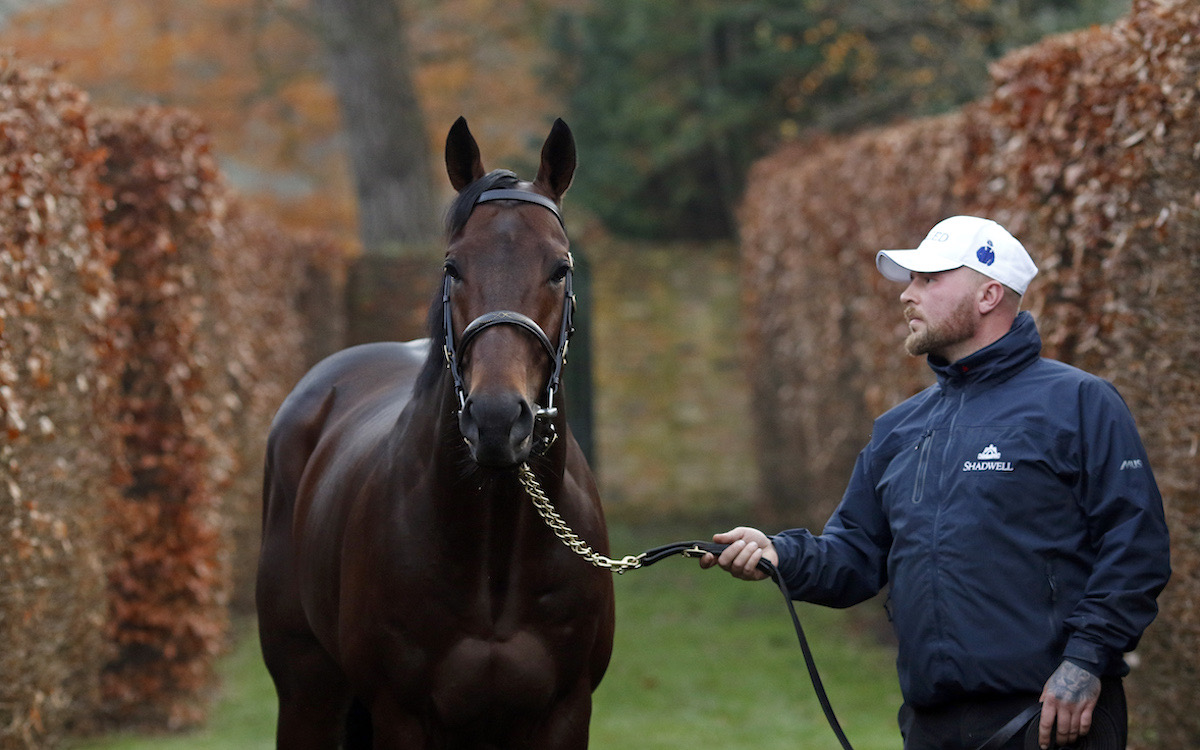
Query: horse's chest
[
  {"x": 496, "y": 649},
  {"x": 477, "y": 678}
]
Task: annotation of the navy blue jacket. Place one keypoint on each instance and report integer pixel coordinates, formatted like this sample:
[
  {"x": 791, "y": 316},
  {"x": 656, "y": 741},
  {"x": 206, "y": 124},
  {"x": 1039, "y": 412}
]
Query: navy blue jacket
[{"x": 1012, "y": 509}]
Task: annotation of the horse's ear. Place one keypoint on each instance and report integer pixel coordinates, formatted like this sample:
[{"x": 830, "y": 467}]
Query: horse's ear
[
  {"x": 558, "y": 161},
  {"x": 463, "y": 163}
]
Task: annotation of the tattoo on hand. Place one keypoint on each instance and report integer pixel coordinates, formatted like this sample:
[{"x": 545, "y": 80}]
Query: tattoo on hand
[{"x": 1074, "y": 684}]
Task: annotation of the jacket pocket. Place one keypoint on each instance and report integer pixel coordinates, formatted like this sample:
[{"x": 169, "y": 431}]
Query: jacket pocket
[{"x": 923, "y": 452}]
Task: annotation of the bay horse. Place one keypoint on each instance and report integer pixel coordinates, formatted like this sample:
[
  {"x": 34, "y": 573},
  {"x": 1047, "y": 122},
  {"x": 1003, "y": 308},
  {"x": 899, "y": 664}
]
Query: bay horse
[{"x": 408, "y": 594}]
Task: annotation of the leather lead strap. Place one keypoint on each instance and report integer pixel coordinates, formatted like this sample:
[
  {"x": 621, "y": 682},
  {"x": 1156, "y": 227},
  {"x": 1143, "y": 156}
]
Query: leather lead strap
[
  {"x": 1014, "y": 725},
  {"x": 697, "y": 549}
]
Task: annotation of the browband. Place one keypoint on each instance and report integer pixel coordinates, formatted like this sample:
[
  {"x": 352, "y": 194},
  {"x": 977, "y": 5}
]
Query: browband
[{"x": 512, "y": 194}]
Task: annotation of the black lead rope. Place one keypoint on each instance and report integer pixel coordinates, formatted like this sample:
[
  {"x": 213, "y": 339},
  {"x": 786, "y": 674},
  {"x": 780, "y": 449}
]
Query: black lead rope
[
  {"x": 1101, "y": 738},
  {"x": 699, "y": 549}
]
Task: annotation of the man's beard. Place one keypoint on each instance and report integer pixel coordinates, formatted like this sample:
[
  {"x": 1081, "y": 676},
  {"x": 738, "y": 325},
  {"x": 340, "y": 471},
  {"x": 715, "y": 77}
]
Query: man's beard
[{"x": 935, "y": 339}]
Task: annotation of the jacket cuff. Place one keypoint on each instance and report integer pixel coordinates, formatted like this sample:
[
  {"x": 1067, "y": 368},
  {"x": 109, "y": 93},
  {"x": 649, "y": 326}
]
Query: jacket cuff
[
  {"x": 1086, "y": 655},
  {"x": 789, "y": 560}
]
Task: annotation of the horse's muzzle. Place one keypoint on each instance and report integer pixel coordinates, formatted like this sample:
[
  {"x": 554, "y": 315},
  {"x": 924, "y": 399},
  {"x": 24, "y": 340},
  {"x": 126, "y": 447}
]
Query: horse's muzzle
[{"x": 498, "y": 429}]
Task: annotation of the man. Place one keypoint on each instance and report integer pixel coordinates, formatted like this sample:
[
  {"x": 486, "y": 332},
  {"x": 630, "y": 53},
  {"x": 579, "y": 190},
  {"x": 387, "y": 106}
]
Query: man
[{"x": 1010, "y": 507}]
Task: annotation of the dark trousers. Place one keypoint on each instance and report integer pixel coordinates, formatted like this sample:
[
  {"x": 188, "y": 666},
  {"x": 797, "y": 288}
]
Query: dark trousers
[{"x": 967, "y": 724}]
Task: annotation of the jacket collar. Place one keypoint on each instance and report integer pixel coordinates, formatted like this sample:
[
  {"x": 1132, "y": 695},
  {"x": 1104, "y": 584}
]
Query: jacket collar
[{"x": 1000, "y": 360}]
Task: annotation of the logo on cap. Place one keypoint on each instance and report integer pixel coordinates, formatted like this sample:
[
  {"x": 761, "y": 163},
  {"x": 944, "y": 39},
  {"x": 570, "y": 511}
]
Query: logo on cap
[{"x": 985, "y": 254}]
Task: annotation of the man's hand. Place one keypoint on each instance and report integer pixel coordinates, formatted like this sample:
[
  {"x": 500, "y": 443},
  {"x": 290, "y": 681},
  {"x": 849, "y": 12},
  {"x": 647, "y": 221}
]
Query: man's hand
[
  {"x": 746, "y": 547},
  {"x": 1068, "y": 700}
]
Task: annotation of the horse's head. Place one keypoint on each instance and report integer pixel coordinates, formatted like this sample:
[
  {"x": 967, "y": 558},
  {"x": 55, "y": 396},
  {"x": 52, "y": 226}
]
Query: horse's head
[{"x": 507, "y": 296}]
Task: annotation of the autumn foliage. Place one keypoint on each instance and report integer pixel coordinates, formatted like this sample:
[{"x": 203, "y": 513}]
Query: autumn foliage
[
  {"x": 59, "y": 452},
  {"x": 151, "y": 326},
  {"x": 1086, "y": 150}
]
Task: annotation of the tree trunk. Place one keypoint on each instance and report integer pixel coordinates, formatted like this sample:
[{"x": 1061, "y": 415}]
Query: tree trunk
[{"x": 370, "y": 67}]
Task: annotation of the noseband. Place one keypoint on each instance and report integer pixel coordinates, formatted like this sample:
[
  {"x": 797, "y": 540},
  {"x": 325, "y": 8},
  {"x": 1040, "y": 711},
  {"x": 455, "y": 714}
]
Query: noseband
[{"x": 544, "y": 433}]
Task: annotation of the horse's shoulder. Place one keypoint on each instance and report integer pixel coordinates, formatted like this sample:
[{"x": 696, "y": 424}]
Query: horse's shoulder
[
  {"x": 347, "y": 377},
  {"x": 369, "y": 356},
  {"x": 382, "y": 362}
]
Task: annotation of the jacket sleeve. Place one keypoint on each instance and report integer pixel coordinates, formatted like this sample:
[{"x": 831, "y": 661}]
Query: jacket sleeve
[
  {"x": 1128, "y": 532},
  {"x": 847, "y": 563}
]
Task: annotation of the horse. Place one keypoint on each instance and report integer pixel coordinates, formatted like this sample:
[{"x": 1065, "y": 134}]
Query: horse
[{"x": 408, "y": 594}]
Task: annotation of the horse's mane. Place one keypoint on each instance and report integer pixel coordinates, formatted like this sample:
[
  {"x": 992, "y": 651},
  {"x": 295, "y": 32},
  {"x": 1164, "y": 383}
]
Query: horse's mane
[{"x": 457, "y": 214}]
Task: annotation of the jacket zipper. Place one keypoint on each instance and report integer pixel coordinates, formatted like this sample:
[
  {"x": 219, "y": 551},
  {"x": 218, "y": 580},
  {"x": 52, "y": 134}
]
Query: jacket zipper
[{"x": 922, "y": 465}]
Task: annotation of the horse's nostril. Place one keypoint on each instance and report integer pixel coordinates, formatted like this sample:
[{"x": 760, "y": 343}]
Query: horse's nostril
[
  {"x": 524, "y": 415},
  {"x": 467, "y": 424}
]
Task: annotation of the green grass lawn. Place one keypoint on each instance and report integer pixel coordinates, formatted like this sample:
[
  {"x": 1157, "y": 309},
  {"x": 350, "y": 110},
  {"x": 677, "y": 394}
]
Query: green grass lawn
[{"x": 700, "y": 659}]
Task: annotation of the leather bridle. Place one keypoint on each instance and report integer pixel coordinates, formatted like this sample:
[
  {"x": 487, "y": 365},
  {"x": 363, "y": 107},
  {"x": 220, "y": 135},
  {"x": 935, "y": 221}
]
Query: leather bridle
[{"x": 544, "y": 432}]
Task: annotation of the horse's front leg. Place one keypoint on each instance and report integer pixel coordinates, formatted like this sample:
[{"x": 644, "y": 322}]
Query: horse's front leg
[
  {"x": 566, "y": 726},
  {"x": 313, "y": 698},
  {"x": 309, "y": 724},
  {"x": 395, "y": 727}
]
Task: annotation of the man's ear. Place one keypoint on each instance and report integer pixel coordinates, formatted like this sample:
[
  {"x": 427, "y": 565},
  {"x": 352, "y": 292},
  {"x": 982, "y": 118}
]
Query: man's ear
[{"x": 991, "y": 295}]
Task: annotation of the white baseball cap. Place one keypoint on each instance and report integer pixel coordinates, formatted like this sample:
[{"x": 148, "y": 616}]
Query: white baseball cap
[{"x": 959, "y": 241}]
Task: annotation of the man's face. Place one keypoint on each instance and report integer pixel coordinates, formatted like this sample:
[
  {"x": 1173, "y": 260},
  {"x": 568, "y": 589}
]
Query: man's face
[{"x": 942, "y": 312}]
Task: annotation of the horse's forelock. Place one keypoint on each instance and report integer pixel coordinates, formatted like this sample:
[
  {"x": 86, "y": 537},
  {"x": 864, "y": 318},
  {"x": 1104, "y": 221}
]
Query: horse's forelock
[{"x": 464, "y": 204}]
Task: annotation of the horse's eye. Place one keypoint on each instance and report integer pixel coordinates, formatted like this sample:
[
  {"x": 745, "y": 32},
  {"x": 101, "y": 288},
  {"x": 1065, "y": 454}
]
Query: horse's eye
[
  {"x": 452, "y": 271},
  {"x": 560, "y": 273}
]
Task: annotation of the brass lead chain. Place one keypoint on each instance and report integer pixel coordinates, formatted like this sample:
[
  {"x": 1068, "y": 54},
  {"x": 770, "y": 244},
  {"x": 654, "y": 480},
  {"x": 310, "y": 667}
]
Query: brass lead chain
[{"x": 561, "y": 530}]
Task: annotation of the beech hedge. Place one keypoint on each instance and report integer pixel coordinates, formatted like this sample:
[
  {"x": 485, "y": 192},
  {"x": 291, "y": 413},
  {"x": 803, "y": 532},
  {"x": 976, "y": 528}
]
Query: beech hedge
[{"x": 150, "y": 325}]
